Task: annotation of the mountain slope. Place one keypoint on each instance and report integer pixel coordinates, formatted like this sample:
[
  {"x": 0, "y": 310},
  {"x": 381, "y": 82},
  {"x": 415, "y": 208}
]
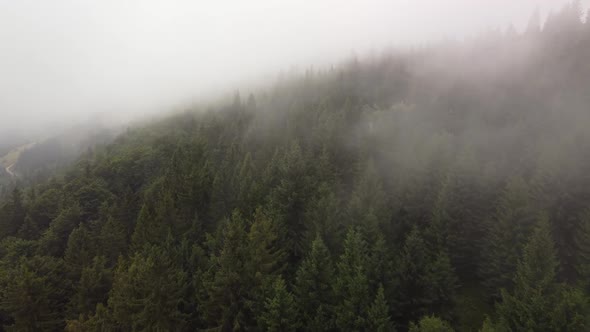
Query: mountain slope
[{"x": 362, "y": 197}]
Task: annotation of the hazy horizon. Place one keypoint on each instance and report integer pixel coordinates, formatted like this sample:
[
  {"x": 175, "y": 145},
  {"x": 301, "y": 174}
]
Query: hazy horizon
[{"x": 67, "y": 61}]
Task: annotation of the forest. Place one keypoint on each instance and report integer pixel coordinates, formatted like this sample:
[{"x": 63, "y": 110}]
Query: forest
[{"x": 437, "y": 188}]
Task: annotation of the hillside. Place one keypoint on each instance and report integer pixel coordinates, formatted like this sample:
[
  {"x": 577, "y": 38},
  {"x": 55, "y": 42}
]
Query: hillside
[{"x": 421, "y": 190}]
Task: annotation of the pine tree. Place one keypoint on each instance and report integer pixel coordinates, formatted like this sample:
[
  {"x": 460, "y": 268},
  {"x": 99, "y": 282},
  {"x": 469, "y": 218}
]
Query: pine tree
[
  {"x": 102, "y": 320},
  {"x": 427, "y": 282},
  {"x": 148, "y": 291},
  {"x": 150, "y": 228},
  {"x": 54, "y": 240},
  {"x": 507, "y": 234},
  {"x": 352, "y": 285},
  {"x": 12, "y": 214},
  {"x": 313, "y": 287},
  {"x": 29, "y": 229},
  {"x": 265, "y": 259},
  {"x": 35, "y": 294},
  {"x": 287, "y": 199},
  {"x": 488, "y": 326},
  {"x": 529, "y": 306},
  {"x": 431, "y": 324},
  {"x": 378, "y": 318},
  {"x": 93, "y": 287},
  {"x": 582, "y": 243},
  {"x": 280, "y": 311},
  {"x": 112, "y": 241},
  {"x": 226, "y": 282},
  {"x": 323, "y": 217},
  {"x": 368, "y": 207},
  {"x": 381, "y": 269},
  {"x": 81, "y": 248}
]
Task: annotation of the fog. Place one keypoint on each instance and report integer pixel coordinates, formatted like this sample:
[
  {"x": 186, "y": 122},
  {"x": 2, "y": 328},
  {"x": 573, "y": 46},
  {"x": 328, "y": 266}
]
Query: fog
[{"x": 68, "y": 61}]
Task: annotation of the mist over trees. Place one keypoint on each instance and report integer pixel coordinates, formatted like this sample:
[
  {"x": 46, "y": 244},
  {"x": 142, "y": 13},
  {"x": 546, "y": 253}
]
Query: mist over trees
[{"x": 435, "y": 189}]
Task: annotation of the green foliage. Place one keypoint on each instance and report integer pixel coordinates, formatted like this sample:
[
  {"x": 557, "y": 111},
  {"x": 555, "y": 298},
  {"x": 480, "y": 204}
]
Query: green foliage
[
  {"x": 313, "y": 287},
  {"x": 280, "y": 311},
  {"x": 430, "y": 324},
  {"x": 538, "y": 303},
  {"x": 93, "y": 287},
  {"x": 12, "y": 214},
  {"x": 34, "y": 294},
  {"x": 426, "y": 280},
  {"x": 147, "y": 292},
  {"x": 230, "y": 218},
  {"x": 351, "y": 288},
  {"x": 54, "y": 240},
  {"x": 378, "y": 319},
  {"x": 506, "y": 237},
  {"x": 228, "y": 280},
  {"x": 582, "y": 241}
]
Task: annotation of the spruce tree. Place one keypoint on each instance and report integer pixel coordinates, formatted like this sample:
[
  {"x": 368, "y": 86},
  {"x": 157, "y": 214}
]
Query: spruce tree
[
  {"x": 93, "y": 287},
  {"x": 431, "y": 324},
  {"x": 323, "y": 217},
  {"x": 112, "y": 241},
  {"x": 582, "y": 242},
  {"x": 427, "y": 282},
  {"x": 368, "y": 207},
  {"x": 148, "y": 291},
  {"x": 378, "y": 318},
  {"x": 265, "y": 260},
  {"x": 12, "y": 214},
  {"x": 280, "y": 311},
  {"x": 81, "y": 248},
  {"x": 227, "y": 280},
  {"x": 352, "y": 285},
  {"x": 313, "y": 287},
  {"x": 35, "y": 294},
  {"x": 529, "y": 306},
  {"x": 506, "y": 236},
  {"x": 150, "y": 229}
]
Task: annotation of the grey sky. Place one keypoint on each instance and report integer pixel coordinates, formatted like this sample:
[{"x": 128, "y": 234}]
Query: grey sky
[{"x": 64, "y": 60}]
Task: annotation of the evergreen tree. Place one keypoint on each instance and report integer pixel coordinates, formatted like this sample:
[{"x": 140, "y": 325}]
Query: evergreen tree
[
  {"x": 582, "y": 242},
  {"x": 54, "y": 240},
  {"x": 378, "y": 318},
  {"x": 93, "y": 287},
  {"x": 538, "y": 302},
  {"x": 287, "y": 199},
  {"x": 280, "y": 311},
  {"x": 102, "y": 320},
  {"x": 35, "y": 294},
  {"x": 150, "y": 228},
  {"x": 80, "y": 249},
  {"x": 382, "y": 270},
  {"x": 12, "y": 214},
  {"x": 426, "y": 280},
  {"x": 506, "y": 237},
  {"x": 430, "y": 324},
  {"x": 148, "y": 291},
  {"x": 323, "y": 217},
  {"x": 112, "y": 241},
  {"x": 29, "y": 230},
  {"x": 265, "y": 259},
  {"x": 313, "y": 287},
  {"x": 368, "y": 207},
  {"x": 352, "y": 285},
  {"x": 225, "y": 306}
]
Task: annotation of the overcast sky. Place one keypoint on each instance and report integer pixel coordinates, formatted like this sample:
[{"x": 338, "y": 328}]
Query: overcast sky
[{"x": 64, "y": 60}]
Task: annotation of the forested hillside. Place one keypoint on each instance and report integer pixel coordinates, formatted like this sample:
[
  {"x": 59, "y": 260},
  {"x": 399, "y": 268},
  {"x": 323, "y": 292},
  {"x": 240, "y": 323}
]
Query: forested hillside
[{"x": 435, "y": 189}]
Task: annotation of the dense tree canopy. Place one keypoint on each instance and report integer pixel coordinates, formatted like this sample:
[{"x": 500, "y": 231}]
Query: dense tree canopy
[{"x": 374, "y": 196}]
